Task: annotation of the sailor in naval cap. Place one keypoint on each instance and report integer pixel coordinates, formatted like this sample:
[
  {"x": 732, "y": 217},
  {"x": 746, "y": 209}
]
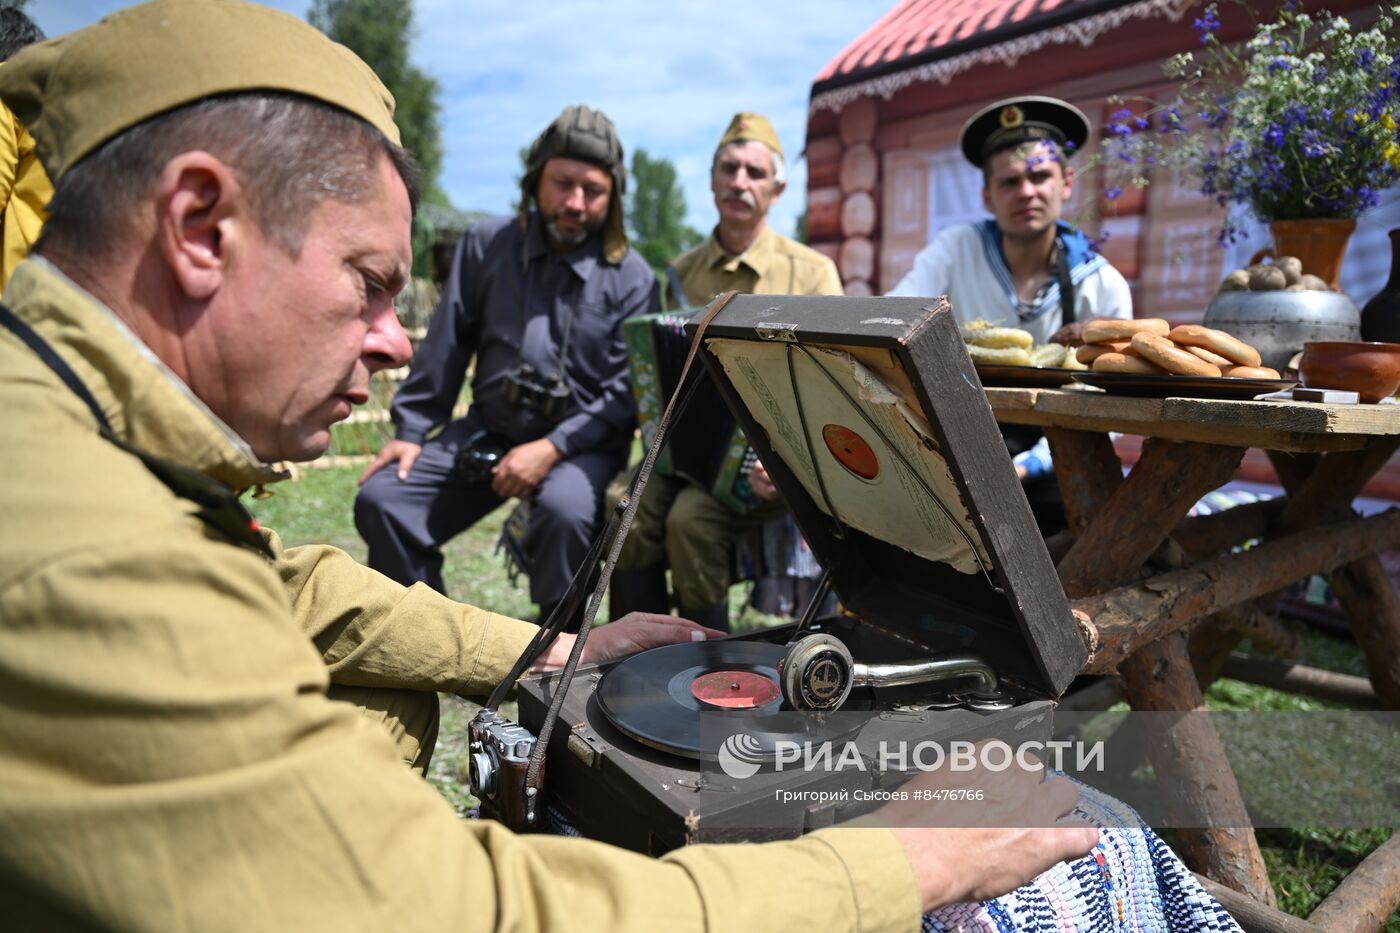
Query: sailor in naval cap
[{"x": 1023, "y": 267}]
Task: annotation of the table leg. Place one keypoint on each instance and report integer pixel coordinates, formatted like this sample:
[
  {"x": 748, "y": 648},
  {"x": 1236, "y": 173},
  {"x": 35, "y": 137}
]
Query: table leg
[
  {"x": 1363, "y": 588},
  {"x": 1122, "y": 522},
  {"x": 1193, "y": 771},
  {"x": 1125, "y": 520}
]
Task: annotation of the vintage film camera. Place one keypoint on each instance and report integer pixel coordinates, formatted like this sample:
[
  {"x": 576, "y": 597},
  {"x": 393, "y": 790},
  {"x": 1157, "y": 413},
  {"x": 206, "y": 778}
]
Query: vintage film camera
[{"x": 871, "y": 420}]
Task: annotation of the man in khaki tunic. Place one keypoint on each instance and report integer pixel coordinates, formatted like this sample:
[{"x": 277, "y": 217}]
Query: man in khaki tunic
[
  {"x": 230, "y": 221},
  {"x": 678, "y": 523}
]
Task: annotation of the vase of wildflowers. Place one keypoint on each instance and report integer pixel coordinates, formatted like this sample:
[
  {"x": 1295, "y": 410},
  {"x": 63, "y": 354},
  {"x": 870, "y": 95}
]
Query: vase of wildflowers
[{"x": 1298, "y": 124}]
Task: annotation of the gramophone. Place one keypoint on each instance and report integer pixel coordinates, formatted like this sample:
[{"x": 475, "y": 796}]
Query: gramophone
[{"x": 953, "y": 626}]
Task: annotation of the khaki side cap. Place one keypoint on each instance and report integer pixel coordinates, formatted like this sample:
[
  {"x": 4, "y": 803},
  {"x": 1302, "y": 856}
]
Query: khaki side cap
[
  {"x": 748, "y": 126},
  {"x": 79, "y": 90}
]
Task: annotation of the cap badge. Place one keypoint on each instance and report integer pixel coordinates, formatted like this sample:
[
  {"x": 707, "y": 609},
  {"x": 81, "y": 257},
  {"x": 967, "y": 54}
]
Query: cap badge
[{"x": 1012, "y": 116}]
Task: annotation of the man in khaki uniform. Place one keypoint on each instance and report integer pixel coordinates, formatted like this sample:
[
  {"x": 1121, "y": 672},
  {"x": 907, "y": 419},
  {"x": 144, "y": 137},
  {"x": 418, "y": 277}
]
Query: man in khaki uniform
[
  {"x": 744, "y": 254},
  {"x": 230, "y": 221},
  {"x": 677, "y": 522}
]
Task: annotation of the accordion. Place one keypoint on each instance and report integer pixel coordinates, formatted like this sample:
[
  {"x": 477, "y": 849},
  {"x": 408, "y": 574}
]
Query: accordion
[{"x": 705, "y": 444}]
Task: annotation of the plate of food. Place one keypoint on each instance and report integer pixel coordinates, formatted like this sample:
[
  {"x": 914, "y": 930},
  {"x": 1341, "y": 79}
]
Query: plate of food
[
  {"x": 1010, "y": 376},
  {"x": 1164, "y": 386},
  {"x": 1149, "y": 357},
  {"x": 1008, "y": 356}
]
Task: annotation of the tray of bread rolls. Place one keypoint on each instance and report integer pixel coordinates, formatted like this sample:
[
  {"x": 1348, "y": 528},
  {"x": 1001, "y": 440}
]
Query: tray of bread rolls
[{"x": 1150, "y": 357}]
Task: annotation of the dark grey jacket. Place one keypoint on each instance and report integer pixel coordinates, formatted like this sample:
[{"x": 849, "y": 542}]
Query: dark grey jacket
[{"x": 508, "y": 300}]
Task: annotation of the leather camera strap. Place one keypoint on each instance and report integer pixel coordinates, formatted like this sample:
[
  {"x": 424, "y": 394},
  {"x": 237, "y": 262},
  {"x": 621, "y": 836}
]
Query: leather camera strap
[{"x": 219, "y": 507}]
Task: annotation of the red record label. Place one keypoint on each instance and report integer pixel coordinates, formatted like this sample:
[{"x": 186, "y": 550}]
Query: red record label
[
  {"x": 734, "y": 689},
  {"x": 851, "y": 451}
]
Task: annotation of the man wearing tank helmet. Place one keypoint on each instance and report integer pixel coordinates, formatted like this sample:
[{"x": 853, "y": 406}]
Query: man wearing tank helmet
[{"x": 537, "y": 301}]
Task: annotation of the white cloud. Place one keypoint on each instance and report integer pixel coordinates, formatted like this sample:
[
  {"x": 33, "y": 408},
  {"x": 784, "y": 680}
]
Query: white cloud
[{"x": 670, "y": 75}]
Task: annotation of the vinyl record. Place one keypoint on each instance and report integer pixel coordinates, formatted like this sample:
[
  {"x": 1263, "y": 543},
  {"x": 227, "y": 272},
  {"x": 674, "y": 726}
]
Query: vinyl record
[{"x": 658, "y": 697}]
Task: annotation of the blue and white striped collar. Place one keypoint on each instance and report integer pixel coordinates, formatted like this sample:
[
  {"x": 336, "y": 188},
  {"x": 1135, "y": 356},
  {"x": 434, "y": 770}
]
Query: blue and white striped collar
[{"x": 1083, "y": 261}]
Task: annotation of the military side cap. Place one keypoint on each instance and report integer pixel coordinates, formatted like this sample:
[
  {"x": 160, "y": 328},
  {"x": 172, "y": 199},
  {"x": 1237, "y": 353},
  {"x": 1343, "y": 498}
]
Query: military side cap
[
  {"x": 1020, "y": 120},
  {"x": 751, "y": 127},
  {"x": 79, "y": 90}
]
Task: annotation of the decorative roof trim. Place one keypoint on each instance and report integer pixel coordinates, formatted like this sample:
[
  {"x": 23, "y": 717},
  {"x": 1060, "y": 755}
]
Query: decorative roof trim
[{"x": 1084, "y": 31}]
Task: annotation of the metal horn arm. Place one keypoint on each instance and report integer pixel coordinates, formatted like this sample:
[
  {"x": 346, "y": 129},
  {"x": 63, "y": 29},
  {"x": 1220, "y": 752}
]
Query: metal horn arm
[{"x": 923, "y": 670}]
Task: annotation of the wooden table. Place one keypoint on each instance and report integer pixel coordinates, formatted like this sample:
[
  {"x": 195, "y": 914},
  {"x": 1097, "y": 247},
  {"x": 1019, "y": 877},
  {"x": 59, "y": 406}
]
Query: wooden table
[{"x": 1144, "y": 574}]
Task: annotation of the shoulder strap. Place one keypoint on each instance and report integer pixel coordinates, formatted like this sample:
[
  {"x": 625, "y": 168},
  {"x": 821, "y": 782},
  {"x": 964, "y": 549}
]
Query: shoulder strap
[
  {"x": 610, "y": 541},
  {"x": 219, "y": 507},
  {"x": 1066, "y": 283}
]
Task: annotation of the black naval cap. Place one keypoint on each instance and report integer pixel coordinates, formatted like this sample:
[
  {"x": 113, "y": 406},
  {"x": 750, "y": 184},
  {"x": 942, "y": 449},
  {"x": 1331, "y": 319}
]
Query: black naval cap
[{"x": 1018, "y": 120}]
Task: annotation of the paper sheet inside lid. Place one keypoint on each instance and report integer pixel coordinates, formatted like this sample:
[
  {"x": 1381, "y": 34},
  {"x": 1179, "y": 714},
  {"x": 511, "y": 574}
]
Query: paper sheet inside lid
[{"x": 878, "y": 461}]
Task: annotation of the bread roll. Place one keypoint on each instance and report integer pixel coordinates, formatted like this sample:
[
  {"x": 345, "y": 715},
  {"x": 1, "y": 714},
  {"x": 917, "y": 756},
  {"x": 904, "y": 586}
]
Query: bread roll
[
  {"x": 1107, "y": 330},
  {"x": 1215, "y": 359},
  {"x": 1092, "y": 351},
  {"x": 1123, "y": 363},
  {"x": 1216, "y": 341},
  {"x": 1170, "y": 357},
  {"x": 1250, "y": 372}
]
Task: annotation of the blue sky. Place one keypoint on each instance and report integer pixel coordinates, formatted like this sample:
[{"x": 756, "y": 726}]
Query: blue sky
[{"x": 670, "y": 74}]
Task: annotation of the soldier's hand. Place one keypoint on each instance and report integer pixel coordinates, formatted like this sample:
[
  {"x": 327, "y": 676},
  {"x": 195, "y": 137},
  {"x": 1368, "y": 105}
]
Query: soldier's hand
[
  {"x": 1071, "y": 335},
  {"x": 636, "y": 631},
  {"x": 401, "y": 452},
  {"x": 761, "y": 482},
  {"x": 523, "y": 468}
]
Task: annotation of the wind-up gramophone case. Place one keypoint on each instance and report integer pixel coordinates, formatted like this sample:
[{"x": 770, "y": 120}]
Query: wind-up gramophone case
[{"x": 870, "y": 419}]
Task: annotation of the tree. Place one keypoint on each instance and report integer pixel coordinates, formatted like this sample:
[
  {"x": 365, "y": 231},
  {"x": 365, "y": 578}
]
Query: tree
[
  {"x": 655, "y": 211},
  {"x": 378, "y": 31}
]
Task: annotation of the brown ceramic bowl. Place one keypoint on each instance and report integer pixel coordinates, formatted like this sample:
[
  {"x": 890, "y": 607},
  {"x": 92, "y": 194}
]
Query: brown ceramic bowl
[{"x": 1371, "y": 369}]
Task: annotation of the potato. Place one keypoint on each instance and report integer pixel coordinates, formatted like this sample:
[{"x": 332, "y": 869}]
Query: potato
[
  {"x": 1292, "y": 268},
  {"x": 1237, "y": 281},
  {"x": 1264, "y": 278},
  {"x": 1314, "y": 283}
]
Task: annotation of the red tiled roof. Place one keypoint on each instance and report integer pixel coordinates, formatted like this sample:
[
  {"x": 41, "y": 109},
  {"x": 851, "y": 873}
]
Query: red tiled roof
[{"x": 918, "y": 31}]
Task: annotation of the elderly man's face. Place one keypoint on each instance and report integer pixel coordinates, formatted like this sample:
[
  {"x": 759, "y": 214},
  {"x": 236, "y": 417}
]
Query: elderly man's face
[
  {"x": 1026, "y": 189},
  {"x": 743, "y": 183},
  {"x": 573, "y": 198},
  {"x": 299, "y": 336}
]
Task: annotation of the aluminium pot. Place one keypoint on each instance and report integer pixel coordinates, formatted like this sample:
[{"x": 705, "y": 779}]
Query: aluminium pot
[{"x": 1278, "y": 323}]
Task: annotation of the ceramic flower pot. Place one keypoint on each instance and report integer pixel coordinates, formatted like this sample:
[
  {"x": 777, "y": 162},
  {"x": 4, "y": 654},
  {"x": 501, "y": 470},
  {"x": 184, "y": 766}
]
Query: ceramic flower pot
[{"x": 1319, "y": 243}]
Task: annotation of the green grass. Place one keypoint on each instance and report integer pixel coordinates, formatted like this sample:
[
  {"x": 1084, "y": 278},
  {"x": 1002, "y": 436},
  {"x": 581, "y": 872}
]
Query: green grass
[{"x": 1305, "y": 864}]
